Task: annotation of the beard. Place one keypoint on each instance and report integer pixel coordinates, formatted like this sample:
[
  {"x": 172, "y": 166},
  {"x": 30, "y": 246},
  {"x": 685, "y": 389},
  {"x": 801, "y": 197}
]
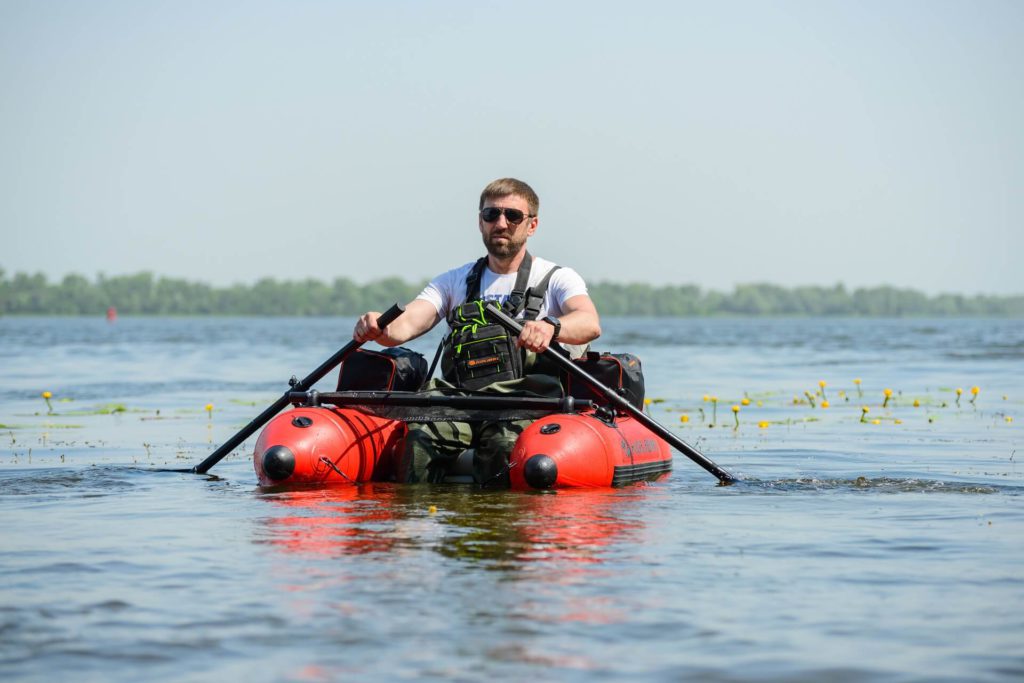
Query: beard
[{"x": 504, "y": 249}]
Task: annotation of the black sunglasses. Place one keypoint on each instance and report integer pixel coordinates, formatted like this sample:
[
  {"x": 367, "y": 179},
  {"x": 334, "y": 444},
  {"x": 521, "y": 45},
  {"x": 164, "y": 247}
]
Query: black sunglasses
[{"x": 513, "y": 216}]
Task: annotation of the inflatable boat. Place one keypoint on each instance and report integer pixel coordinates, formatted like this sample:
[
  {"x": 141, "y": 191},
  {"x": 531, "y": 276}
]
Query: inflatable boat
[{"x": 581, "y": 445}]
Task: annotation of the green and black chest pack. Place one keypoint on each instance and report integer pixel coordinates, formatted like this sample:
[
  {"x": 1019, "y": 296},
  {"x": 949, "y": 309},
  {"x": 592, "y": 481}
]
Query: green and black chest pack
[{"x": 478, "y": 351}]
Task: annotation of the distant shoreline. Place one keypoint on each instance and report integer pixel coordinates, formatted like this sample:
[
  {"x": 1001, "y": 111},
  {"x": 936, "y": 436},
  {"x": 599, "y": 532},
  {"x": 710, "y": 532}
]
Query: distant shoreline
[{"x": 148, "y": 295}]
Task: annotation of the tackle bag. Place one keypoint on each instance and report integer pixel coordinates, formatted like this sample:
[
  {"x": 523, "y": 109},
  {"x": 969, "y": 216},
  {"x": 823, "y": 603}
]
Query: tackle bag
[
  {"x": 618, "y": 371},
  {"x": 395, "y": 369},
  {"x": 478, "y": 351}
]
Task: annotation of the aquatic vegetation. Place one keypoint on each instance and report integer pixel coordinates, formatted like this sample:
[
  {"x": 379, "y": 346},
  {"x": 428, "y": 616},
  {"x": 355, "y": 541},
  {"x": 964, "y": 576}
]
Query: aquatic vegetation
[
  {"x": 860, "y": 394},
  {"x": 821, "y": 384},
  {"x": 49, "y": 407},
  {"x": 209, "y": 410},
  {"x": 974, "y": 394},
  {"x": 102, "y": 409},
  {"x": 959, "y": 392},
  {"x": 894, "y": 401}
]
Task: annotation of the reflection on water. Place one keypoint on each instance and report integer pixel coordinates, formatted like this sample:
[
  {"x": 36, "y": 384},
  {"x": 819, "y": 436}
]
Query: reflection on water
[{"x": 500, "y": 530}]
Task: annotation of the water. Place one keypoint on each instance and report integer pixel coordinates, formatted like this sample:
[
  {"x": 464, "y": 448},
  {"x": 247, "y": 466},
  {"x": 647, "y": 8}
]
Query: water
[{"x": 850, "y": 551}]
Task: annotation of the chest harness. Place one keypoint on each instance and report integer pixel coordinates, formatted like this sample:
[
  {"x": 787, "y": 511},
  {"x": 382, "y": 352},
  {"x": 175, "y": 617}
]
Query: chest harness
[{"x": 478, "y": 351}]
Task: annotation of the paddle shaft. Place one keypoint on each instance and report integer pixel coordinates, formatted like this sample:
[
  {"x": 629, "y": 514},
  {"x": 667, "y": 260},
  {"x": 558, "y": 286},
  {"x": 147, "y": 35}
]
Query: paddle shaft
[
  {"x": 618, "y": 401},
  {"x": 313, "y": 377}
]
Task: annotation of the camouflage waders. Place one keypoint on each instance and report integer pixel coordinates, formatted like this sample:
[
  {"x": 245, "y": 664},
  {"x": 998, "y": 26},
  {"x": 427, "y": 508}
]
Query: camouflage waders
[{"x": 431, "y": 448}]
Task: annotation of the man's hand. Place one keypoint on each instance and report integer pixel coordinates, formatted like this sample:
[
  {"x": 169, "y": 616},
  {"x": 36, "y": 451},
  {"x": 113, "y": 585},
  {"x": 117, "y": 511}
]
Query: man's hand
[
  {"x": 367, "y": 328},
  {"x": 536, "y": 336}
]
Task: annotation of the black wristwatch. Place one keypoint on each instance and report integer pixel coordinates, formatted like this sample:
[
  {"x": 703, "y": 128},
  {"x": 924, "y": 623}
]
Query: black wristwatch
[{"x": 554, "y": 322}]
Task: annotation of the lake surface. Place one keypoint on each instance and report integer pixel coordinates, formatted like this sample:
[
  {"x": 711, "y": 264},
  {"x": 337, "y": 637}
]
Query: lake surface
[{"x": 849, "y": 551}]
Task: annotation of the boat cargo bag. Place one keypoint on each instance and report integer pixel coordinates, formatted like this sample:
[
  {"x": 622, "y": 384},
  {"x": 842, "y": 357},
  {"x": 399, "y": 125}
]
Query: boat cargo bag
[
  {"x": 479, "y": 351},
  {"x": 618, "y": 371},
  {"x": 395, "y": 369}
]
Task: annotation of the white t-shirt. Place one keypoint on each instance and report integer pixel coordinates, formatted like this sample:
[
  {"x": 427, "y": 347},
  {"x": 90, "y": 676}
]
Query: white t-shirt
[{"x": 448, "y": 290}]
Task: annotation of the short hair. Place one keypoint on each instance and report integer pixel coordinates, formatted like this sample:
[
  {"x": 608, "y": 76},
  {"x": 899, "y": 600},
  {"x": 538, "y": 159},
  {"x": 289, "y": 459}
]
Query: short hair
[{"x": 503, "y": 187}]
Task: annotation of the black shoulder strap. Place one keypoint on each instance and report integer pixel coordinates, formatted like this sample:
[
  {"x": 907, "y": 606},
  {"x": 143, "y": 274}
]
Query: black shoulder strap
[
  {"x": 535, "y": 296},
  {"x": 516, "y": 298},
  {"x": 473, "y": 279}
]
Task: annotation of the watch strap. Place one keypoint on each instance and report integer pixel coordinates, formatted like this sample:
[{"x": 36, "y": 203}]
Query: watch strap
[{"x": 556, "y": 323}]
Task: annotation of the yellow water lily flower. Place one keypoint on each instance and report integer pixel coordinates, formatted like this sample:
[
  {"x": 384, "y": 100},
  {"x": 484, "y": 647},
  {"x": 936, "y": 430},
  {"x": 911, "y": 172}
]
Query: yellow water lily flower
[{"x": 46, "y": 397}]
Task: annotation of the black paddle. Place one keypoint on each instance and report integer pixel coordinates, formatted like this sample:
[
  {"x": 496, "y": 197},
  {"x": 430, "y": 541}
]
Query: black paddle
[
  {"x": 618, "y": 401},
  {"x": 314, "y": 377}
]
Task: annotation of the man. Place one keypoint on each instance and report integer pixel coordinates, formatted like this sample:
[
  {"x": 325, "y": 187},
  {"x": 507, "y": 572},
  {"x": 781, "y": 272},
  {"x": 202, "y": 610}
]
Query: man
[{"x": 553, "y": 303}]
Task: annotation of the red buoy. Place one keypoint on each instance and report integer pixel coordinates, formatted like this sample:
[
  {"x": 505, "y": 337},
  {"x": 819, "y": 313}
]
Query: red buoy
[
  {"x": 111, "y": 314},
  {"x": 327, "y": 446},
  {"x": 583, "y": 450}
]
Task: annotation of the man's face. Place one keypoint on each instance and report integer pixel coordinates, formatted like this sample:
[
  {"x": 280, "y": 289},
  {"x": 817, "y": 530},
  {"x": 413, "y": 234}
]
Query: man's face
[{"x": 502, "y": 239}]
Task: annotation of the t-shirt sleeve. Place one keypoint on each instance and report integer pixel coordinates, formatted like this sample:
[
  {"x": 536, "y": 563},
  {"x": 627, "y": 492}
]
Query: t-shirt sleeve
[
  {"x": 565, "y": 284},
  {"x": 436, "y": 293},
  {"x": 443, "y": 289}
]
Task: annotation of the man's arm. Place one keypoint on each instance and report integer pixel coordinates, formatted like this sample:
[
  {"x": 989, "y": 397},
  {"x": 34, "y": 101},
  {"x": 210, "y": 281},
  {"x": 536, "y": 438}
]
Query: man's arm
[
  {"x": 580, "y": 325},
  {"x": 419, "y": 317}
]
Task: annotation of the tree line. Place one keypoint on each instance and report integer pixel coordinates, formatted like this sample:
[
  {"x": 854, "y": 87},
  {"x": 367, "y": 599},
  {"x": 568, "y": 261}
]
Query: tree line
[{"x": 146, "y": 294}]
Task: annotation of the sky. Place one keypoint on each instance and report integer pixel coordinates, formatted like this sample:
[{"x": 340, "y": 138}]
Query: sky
[{"x": 709, "y": 143}]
